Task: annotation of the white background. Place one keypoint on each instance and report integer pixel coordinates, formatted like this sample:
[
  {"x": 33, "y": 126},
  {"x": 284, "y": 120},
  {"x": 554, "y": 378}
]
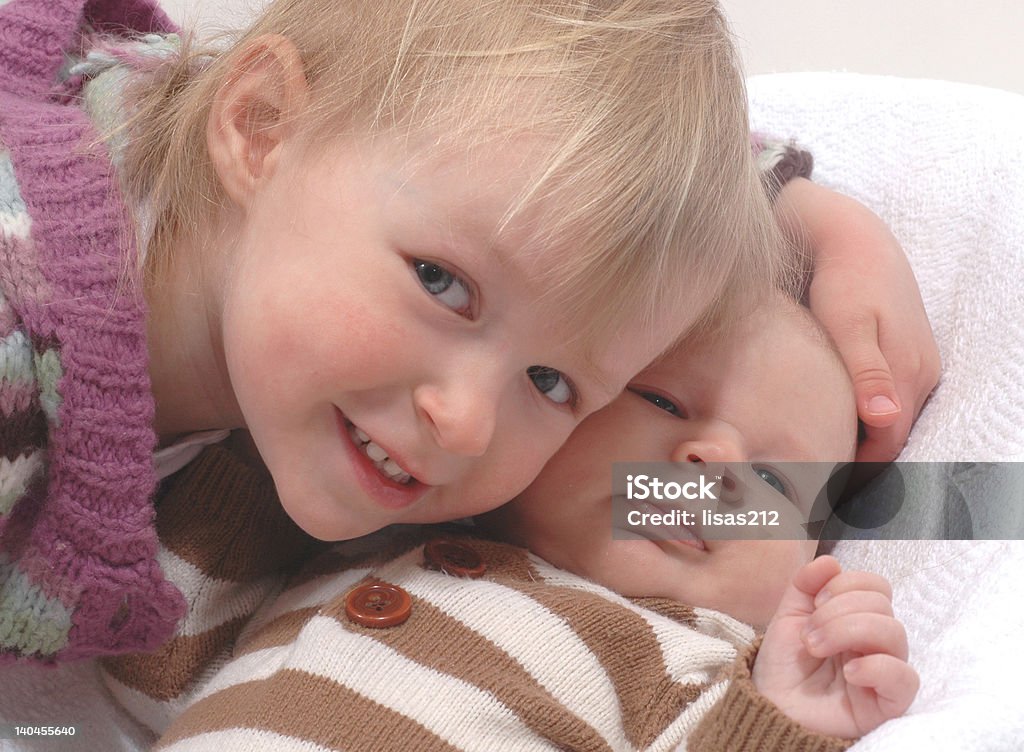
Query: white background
[
  {"x": 957, "y": 40},
  {"x": 978, "y": 42}
]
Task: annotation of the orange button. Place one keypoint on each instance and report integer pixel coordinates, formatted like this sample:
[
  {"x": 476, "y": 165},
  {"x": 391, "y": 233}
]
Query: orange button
[
  {"x": 378, "y": 604},
  {"x": 454, "y": 558}
]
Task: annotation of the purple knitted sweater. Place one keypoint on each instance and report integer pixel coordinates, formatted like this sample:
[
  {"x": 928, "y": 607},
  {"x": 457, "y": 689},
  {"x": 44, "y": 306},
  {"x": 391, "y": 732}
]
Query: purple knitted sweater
[{"x": 78, "y": 573}]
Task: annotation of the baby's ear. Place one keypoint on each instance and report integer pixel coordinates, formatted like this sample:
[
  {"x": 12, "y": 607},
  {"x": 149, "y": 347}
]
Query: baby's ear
[{"x": 254, "y": 111}]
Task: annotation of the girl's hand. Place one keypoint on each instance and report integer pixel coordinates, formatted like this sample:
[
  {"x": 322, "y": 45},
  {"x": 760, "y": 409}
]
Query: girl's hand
[
  {"x": 864, "y": 292},
  {"x": 834, "y": 657}
]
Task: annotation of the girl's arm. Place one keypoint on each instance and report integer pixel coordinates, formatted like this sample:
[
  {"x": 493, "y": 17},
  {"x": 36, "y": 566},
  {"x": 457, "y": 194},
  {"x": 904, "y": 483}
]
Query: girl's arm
[{"x": 864, "y": 292}]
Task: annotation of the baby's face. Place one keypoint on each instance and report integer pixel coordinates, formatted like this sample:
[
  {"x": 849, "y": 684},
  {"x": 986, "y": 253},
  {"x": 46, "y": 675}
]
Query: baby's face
[{"x": 773, "y": 391}]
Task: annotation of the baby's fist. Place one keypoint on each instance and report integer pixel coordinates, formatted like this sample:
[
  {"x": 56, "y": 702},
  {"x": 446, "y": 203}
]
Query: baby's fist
[{"x": 834, "y": 657}]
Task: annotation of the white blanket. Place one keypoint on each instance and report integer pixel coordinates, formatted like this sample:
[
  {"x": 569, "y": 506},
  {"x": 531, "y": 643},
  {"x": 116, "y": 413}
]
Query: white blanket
[{"x": 944, "y": 165}]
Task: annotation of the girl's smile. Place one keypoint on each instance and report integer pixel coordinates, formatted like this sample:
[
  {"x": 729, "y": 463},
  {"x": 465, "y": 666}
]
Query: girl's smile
[
  {"x": 380, "y": 476},
  {"x": 391, "y": 338}
]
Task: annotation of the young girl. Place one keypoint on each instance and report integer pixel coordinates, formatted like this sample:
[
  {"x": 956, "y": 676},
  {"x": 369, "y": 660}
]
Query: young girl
[{"x": 408, "y": 246}]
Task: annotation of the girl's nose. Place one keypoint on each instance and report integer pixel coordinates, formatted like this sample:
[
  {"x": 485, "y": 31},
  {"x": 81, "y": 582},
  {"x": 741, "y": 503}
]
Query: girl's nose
[{"x": 461, "y": 415}]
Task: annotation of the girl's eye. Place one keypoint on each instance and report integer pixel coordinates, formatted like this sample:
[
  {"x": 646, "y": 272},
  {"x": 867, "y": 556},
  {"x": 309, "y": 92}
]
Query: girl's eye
[
  {"x": 772, "y": 480},
  {"x": 552, "y": 384},
  {"x": 443, "y": 285},
  {"x": 663, "y": 403}
]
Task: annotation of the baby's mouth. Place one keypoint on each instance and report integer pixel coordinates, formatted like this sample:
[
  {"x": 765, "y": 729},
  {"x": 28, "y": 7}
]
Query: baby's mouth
[
  {"x": 676, "y": 533},
  {"x": 378, "y": 456}
]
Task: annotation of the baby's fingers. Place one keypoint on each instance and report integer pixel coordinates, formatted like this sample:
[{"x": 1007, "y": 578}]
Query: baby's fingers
[
  {"x": 894, "y": 681},
  {"x": 798, "y": 599},
  {"x": 852, "y": 602},
  {"x": 852, "y": 580},
  {"x": 858, "y": 633}
]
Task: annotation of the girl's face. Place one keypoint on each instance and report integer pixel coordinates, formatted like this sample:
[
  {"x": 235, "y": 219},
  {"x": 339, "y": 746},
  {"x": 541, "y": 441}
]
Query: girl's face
[{"x": 392, "y": 363}]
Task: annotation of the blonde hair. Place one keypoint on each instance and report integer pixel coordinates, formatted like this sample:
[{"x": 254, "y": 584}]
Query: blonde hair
[{"x": 647, "y": 170}]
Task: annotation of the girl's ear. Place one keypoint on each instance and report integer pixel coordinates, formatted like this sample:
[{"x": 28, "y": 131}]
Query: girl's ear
[{"x": 254, "y": 111}]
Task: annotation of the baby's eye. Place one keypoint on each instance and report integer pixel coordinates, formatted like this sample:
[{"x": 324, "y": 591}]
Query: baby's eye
[
  {"x": 552, "y": 384},
  {"x": 772, "y": 480},
  {"x": 661, "y": 402},
  {"x": 448, "y": 288}
]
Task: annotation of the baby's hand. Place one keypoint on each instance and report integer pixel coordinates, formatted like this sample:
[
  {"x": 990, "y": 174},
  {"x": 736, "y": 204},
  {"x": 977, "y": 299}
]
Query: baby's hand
[{"x": 834, "y": 657}]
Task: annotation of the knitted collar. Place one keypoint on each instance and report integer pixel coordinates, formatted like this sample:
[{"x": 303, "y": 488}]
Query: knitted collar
[{"x": 78, "y": 570}]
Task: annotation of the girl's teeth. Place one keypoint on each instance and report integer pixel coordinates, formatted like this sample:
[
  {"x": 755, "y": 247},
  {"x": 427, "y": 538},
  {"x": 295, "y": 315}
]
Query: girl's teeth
[
  {"x": 375, "y": 453},
  {"x": 379, "y": 457}
]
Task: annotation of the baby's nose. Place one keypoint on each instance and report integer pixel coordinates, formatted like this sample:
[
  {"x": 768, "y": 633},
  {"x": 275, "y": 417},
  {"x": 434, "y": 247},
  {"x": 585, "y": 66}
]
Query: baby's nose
[{"x": 704, "y": 451}]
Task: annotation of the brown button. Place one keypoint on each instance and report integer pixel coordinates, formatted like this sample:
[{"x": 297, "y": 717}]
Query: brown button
[
  {"x": 454, "y": 558},
  {"x": 378, "y": 604}
]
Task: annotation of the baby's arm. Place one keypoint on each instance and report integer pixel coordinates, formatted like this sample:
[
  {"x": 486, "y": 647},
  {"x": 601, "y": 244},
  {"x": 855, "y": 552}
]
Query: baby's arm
[
  {"x": 816, "y": 698},
  {"x": 834, "y": 657}
]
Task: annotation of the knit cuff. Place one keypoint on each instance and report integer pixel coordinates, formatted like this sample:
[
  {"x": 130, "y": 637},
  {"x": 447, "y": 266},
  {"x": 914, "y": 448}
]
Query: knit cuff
[
  {"x": 779, "y": 162},
  {"x": 744, "y": 720}
]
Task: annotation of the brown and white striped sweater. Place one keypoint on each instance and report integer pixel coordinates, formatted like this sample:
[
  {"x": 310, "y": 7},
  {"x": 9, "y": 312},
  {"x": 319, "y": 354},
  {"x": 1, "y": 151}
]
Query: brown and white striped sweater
[{"x": 526, "y": 657}]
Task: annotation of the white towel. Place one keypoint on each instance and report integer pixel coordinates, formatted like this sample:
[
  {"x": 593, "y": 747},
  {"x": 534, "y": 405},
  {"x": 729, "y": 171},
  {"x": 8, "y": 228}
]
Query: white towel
[{"x": 943, "y": 164}]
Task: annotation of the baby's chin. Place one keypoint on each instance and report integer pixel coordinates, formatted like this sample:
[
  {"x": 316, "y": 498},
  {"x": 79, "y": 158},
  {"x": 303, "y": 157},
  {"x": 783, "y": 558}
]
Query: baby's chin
[{"x": 745, "y": 599}]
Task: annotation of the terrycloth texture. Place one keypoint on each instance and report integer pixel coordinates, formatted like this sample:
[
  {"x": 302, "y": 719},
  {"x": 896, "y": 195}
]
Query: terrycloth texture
[
  {"x": 943, "y": 164},
  {"x": 78, "y": 574}
]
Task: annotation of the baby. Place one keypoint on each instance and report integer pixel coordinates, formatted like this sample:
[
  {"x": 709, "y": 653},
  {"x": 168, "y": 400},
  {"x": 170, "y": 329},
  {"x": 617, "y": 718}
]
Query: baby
[
  {"x": 423, "y": 638},
  {"x": 773, "y": 390}
]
